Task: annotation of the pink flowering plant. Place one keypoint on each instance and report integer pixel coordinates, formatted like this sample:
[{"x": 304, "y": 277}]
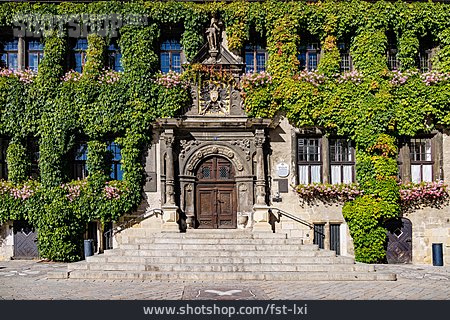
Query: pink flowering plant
[
  {"x": 114, "y": 190},
  {"x": 328, "y": 192},
  {"x": 74, "y": 188},
  {"x": 18, "y": 192},
  {"x": 352, "y": 76},
  {"x": 254, "y": 80},
  {"x": 171, "y": 80},
  {"x": 25, "y": 76},
  {"x": 398, "y": 78},
  {"x": 434, "y": 77},
  {"x": 71, "y": 76},
  {"x": 413, "y": 195},
  {"x": 109, "y": 76},
  {"x": 313, "y": 77}
]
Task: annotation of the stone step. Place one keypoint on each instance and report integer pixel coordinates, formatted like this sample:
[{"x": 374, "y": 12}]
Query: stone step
[
  {"x": 219, "y": 276},
  {"x": 223, "y": 260},
  {"x": 213, "y": 253},
  {"x": 213, "y": 241},
  {"x": 217, "y": 247},
  {"x": 222, "y": 267},
  {"x": 210, "y": 253},
  {"x": 203, "y": 234}
]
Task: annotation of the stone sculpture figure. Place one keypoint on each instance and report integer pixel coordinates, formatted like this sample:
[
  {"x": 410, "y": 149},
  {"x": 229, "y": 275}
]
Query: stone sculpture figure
[{"x": 213, "y": 34}]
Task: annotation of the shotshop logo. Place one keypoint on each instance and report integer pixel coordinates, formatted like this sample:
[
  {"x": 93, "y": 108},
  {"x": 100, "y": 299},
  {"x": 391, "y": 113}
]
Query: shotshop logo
[{"x": 269, "y": 309}]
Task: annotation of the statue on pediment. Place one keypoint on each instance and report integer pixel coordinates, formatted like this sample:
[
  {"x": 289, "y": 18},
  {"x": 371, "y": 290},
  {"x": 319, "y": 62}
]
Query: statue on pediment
[{"x": 213, "y": 34}]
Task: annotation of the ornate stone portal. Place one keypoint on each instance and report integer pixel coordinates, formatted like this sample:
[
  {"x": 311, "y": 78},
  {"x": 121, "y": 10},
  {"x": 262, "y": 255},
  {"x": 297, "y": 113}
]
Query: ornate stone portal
[{"x": 214, "y": 138}]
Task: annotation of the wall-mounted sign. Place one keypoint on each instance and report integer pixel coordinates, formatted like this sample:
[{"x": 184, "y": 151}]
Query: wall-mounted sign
[{"x": 282, "y": 169}]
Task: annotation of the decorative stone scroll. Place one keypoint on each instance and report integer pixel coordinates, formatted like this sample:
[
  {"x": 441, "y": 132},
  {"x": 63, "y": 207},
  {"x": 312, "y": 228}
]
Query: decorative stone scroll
[
  {"x": 245, "y": 146},
  {"x": 186, "y": 146}
]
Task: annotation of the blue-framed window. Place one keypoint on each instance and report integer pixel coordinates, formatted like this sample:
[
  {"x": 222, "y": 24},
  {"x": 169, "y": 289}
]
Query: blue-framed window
[
  {"x": 79, "y": 168},
  {"x": 255, "y": 59},
  {"x": 116, "y": 161},
  {"x": 309, "y": 56},
  {"x": 170, "y": 56},
  {"x": 35, "y": 50},
  {"x": 9, "y": 54},
  {"x": 79, "y": 52},
  {"x": 114, "y": 57}
]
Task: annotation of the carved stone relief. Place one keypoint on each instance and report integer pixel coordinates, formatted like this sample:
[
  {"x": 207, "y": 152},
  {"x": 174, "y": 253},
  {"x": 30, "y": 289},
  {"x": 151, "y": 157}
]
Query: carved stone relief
[
  {"x": 211, "y": 150},
  {"x": 214, "y": 99},
  {"x": 245, "y": 147},
  {"x": 186, "y": 146}
]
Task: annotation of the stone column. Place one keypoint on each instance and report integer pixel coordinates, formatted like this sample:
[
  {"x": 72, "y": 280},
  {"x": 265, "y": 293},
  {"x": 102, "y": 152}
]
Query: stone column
[
  {"x": 21, "y": 54},
  {"x": 170, "y": 210},
  {"x": 261, "y": 210}
]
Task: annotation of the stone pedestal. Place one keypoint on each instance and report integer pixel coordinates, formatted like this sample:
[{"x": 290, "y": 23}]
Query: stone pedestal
[
  {"x": 170, "y": 218},
  {"x": 261, "y": 218}
]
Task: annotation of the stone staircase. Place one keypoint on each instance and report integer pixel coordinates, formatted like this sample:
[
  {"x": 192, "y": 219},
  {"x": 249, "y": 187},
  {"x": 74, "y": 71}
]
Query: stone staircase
[{"x": 215, "y": 255}]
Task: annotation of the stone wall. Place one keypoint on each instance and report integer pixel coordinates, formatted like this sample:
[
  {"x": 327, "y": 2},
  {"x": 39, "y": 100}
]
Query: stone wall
[
  {"x": 283, "y": 150},
  {"x": 432, "y": 225},
  {"x": 152, "y": 200},
  {"x": 6, "y": 241}
]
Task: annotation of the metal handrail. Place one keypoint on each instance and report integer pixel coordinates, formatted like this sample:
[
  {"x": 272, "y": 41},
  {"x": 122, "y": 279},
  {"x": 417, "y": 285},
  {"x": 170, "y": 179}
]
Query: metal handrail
[
  {"x": 146, "y": 214},
  {"x": 295, "y": 218}
]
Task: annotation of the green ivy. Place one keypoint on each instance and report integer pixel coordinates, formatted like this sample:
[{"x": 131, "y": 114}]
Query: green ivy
[{"x": 373, "y": 112}]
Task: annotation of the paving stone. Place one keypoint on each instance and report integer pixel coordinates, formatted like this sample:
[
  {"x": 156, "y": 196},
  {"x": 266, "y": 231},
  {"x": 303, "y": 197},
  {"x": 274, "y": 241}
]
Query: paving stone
[{"x": 37, "y": 286}]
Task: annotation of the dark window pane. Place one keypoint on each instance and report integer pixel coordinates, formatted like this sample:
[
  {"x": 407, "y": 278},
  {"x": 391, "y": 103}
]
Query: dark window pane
[
  {"x": 13, "y": 61},
  {"x": 249, "y": 62},
  {"x": 260, "y": 62},
  {"x": 312, "y": 61},
  {"x": 78, "y": 62},
  {"x": 11, "y": 45},
  {"x": 116, "y": 166},
  {"x": 302, "y": 59},
  {"x": 165, "y": 62},
  {"x": 33, "y": 61},
  {"x": 118, "y": 62},
  {"x": 176, "y": 62},
  {"x": 170, "y": 56},
  {"x": 35, "y": 45},
  {"x": 81, "y": 45},
  {"x": 81, "y": 152}
]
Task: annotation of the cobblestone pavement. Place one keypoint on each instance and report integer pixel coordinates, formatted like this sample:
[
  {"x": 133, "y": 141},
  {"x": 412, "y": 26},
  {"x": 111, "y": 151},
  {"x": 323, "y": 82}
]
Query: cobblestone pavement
[{"x": 26, "y": 280}]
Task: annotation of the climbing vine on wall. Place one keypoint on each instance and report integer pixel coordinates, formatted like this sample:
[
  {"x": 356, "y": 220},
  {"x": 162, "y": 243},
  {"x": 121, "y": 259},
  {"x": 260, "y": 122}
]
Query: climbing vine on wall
[{"x": 371, "y": 106}]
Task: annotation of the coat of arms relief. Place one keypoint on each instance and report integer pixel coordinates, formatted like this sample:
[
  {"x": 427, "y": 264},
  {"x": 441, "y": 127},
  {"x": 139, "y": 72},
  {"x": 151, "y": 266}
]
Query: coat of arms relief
[{"x": 214, "y": 99}]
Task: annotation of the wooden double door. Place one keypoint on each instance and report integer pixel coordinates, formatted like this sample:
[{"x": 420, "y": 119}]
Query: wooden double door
[{"x": 216, "y": 206}]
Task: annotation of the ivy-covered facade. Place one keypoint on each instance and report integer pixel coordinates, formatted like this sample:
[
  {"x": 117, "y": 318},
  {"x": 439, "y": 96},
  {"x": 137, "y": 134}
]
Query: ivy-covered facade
[{"x": 218, "y": 112}]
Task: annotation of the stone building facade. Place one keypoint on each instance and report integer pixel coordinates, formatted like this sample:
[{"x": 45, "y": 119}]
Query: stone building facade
[
  {"x": 260, "y": 163},
  {"x": 213, "y": 167}
]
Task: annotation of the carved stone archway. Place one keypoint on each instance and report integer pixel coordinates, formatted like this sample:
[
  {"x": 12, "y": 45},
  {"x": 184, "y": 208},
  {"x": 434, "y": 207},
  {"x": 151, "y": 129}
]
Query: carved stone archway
[
  {"x": 240, "y": 164},
  {"x": 242, "y": 172}
]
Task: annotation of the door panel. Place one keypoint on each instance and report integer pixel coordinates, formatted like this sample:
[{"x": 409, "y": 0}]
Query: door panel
[
  {"x": 399, "y": 247},
  {"x": 25, "y": 241},
  {"x": 206, "y": 213},
  {"x": 226, "y": 208},
  {"x": 216, "y": 194}
]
